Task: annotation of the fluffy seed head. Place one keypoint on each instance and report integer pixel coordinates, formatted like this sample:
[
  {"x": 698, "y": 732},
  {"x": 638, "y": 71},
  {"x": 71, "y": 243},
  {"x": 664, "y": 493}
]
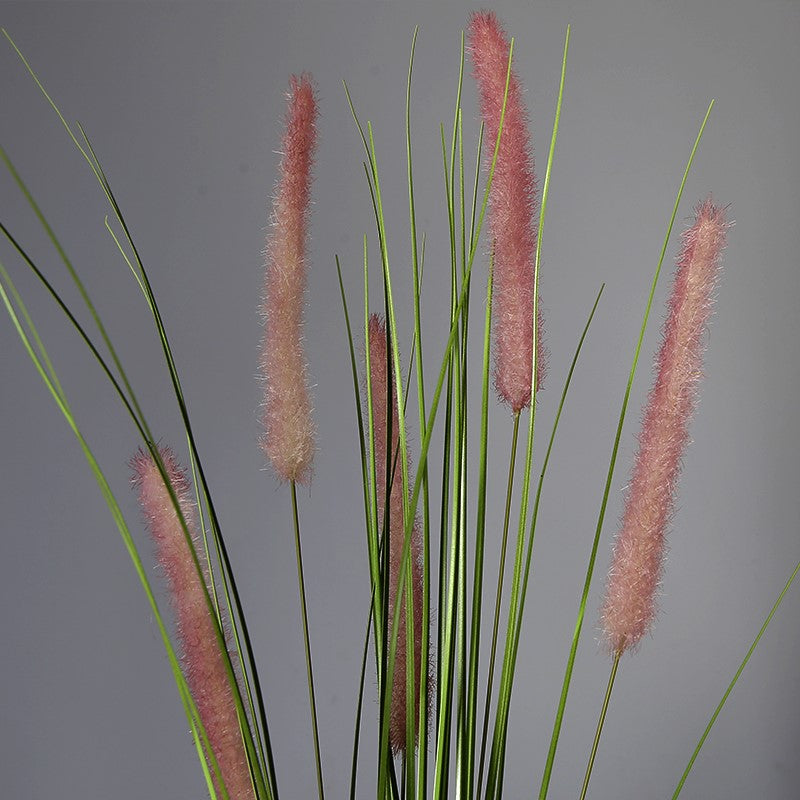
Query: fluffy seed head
[
  {"x": 288, "y": 439},
  {"x": 630, "y": 603},
  {"x": 512, "y": 208},
  {"x": 203, "y": 662},
  {"x": 380, "y": 385}
]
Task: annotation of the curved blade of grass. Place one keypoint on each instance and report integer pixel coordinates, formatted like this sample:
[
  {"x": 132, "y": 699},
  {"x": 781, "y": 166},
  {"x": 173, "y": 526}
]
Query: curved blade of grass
[
  {"x": 48, "y": 375},
  {"x": 98, "y": 357},
  {"x": 96, "y": 168},
  {"x": 80, "y": 330},
  {"x": 734, "y": 681},
  {"x": 149, "y": 440},
  {"x": 609, "y": 477},
  {"x": 132, "y": 403},
  {"x": 128, "y": 396},
  {"x": 545, "y": 464},
  {"x": 239, "y": 624}
]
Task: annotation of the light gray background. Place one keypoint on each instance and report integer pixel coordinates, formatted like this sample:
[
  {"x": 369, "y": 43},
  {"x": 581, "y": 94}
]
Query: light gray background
[{"x": 184, "y": 103}]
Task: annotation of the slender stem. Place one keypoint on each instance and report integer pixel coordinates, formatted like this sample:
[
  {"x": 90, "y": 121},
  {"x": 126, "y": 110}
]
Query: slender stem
[
  {"x": 357, "y": 734},
  {"x": 477, "y": 581},
  {"x": 498, "y": 599},
  {"x": 307, "y": 641},
  {"x": 600, "y": 722}
]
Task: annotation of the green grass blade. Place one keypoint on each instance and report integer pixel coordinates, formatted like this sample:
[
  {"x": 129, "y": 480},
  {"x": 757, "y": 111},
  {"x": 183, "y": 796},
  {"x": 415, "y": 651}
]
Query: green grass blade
[
  {"x": 461, "y": 625},
  {"x": 91, "y": 159},
  {"x": 543, "y": 473},
  {"x": 452, "y": 570},
  {"x": 734, "y": 681},
  {"x": 371, "y": 542},
  {"x": 239, "y": 624},
  {"x": 480, "y": 532},
  {"x": 422, "y": 779},
  {"x": 128, "y": 390},
  {"x": 609, "y": 478},
  {"x": 43, "y": 365},
  {"x": 74, "y": 322},
  {"x": 498, "y": 600}
]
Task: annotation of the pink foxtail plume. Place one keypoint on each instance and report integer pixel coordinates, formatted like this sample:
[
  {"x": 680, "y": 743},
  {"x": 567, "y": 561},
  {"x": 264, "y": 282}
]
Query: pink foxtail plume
[
  {"x": 203, "y": 661},
  {"x": 288, "y": 439},
  {"x": 511, "y": 214},
  {"x": 630, "y": 602},
  {"x": 380, "y": 395}
]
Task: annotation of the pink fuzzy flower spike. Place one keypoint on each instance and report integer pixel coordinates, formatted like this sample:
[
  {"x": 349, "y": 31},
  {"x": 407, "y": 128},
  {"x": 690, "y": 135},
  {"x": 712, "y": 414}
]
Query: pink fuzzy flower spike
[
  {"x": 512, "y": 208},
  {"x": 288, "y": 439},
  {"x": 630, "y": 603},
  {"x": 380, "y": 389},
  {"x": 203, "y": 662}
]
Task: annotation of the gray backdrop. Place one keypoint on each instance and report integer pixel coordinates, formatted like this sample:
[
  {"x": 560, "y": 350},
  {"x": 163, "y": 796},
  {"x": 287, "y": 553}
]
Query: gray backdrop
[{"x": 183, "y": 103}]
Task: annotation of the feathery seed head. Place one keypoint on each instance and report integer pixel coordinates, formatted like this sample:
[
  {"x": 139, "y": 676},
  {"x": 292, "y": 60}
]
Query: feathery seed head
[
  {"x": 203, "y": 661},
  {"x": 380, "y": 386},
  {"x": 288, "y": 438},
  {"x": 629, "y": 607},
  {"x": 512, "y": 208}
]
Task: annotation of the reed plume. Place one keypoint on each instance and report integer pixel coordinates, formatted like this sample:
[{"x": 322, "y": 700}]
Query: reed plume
[
  {"x": 630, "y": 603},
  {"x": 386, "y": 457},
  {"x": 288, "y": 439},
  {"x": 203, "y": 660},
  {"x": 513, "y": 204}
]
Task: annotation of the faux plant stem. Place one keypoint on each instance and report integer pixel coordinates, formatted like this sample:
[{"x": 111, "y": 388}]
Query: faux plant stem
[
  {"x": 306, "y": 640},
  {"x": 600, "y": 721},
  {"x": 498, "y": 599}
]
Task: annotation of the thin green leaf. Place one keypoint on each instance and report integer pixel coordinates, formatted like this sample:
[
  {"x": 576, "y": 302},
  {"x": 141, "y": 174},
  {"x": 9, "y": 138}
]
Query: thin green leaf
[
  {"x": 734, "y": 681},
  {"x": 609, "y": 478}
]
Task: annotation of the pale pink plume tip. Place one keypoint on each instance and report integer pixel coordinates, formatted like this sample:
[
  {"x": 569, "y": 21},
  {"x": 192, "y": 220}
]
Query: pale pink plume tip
[
  {"x": 288, "y": 439},
  {"x": 511, "y": 213},
  {"x": 204, "y": 664},
  {"x": 380, "y": 395},
  {"x": 629, "y": 607}
]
